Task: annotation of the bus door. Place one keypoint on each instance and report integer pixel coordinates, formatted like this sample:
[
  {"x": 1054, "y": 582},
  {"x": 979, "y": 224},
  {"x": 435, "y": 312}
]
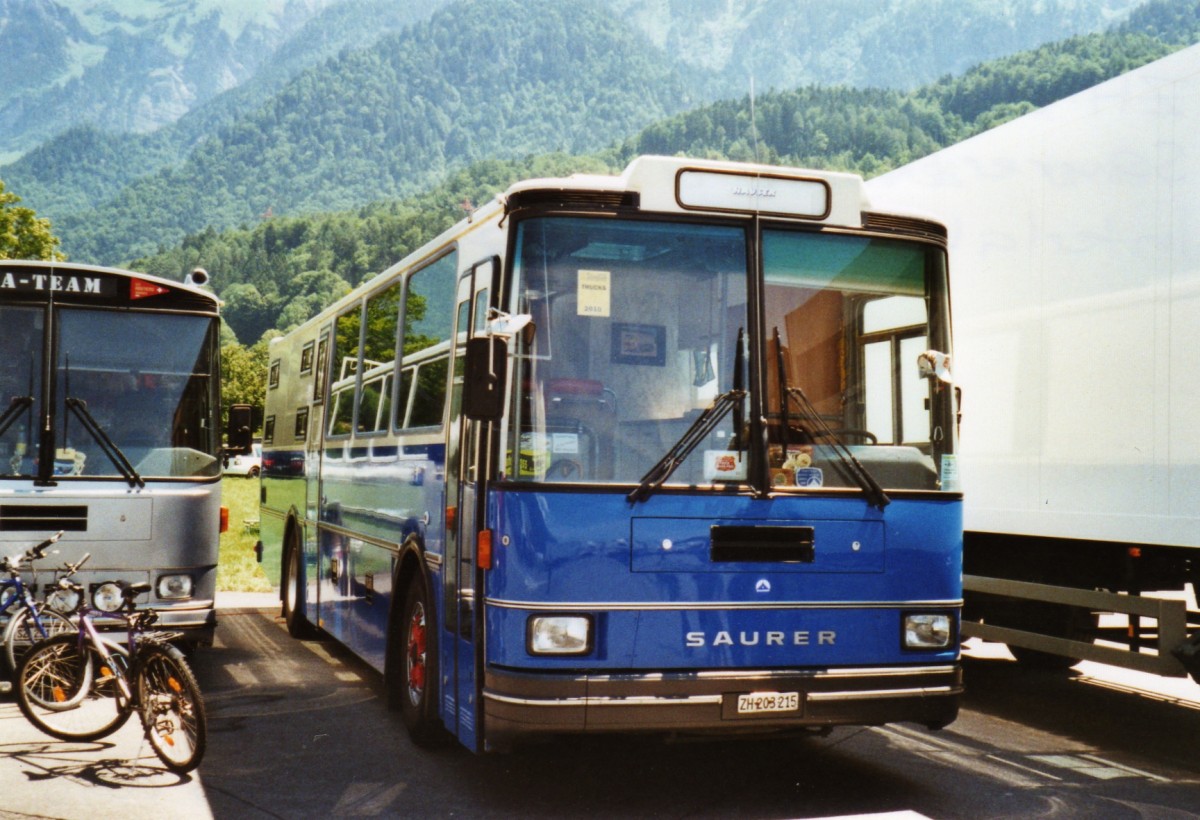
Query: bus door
[{"x": 462, "y": 622}]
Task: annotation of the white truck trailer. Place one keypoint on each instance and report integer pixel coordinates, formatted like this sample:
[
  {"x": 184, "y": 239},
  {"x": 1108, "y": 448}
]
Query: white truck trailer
[{"x": 1075, "y": 279}]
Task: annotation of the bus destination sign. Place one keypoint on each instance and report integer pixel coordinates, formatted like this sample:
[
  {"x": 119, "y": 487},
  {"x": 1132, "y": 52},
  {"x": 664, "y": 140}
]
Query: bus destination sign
[{"x": 76, "y": 282}]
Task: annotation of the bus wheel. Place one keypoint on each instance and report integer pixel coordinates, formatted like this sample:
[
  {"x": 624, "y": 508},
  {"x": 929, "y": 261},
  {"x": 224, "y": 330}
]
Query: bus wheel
[
  {"x": 294, "y": 593},
  {"x": 416, "y": 662}
]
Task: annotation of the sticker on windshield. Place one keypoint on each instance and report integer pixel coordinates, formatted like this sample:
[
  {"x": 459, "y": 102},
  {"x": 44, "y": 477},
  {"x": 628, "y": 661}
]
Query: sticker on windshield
[
  {"x": 595, "y": 293},
  {"x": 949, "y": 471}
]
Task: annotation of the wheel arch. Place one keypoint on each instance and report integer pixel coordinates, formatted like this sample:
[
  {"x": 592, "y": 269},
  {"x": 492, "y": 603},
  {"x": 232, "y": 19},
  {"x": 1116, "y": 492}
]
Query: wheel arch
[{"x": 410, "y": 565}]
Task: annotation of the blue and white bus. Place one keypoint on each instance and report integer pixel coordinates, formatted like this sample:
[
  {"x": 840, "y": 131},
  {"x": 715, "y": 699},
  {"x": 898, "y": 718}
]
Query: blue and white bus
[
  {"x": 110, "y": 430},
  {"x": 665, "y": 452}
]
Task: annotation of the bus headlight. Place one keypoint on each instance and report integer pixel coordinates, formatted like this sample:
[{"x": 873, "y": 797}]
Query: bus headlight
[
  {"x": 559, "y": 635},
  {"x": 107, "y": 597},
  {"x": 928, "y": 630},
  {"x": 174, "y": 587}
]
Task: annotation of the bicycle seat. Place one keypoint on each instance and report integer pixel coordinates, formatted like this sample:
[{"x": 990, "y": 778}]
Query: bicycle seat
[{"x": 131, "y": 591}]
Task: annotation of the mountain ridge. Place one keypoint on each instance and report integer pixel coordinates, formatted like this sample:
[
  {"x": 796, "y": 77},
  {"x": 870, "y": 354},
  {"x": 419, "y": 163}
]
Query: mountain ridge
[{"x": 389, "y": 120}]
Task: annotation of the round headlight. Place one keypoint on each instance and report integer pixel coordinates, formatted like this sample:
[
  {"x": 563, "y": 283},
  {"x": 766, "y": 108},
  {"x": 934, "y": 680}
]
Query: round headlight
[
  {"x": 107, "y": 597},
  {"x": 63, "y": 600}
]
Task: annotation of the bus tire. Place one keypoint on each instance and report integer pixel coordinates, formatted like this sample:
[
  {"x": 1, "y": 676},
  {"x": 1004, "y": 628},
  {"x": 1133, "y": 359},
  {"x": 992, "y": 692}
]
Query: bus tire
[
  {"x": 293, "y": 587},
  {"x": 413, "y": 660}
]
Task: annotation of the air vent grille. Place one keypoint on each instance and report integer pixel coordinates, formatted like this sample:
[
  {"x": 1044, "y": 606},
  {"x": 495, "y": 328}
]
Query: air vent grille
[
  {"x": 907, "y": 226},
  {"x": 42, "y": 517}
]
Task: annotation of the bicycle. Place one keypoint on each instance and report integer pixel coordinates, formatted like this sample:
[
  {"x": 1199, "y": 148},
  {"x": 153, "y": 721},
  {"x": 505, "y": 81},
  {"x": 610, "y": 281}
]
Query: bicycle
[
  {"x": 27, "y": 620},
  {"x": 83, "y": 686}
]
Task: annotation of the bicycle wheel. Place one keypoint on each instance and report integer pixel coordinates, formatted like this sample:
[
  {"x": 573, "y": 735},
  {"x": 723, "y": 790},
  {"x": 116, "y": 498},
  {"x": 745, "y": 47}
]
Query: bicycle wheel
[
  {"x": 72, "y": 695},
  {"x": 172, "y": 708},
  {"x": 22, "y": 632}
]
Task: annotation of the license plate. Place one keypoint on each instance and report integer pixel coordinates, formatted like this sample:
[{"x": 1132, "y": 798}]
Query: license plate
[{"x": 757, "y": 703}]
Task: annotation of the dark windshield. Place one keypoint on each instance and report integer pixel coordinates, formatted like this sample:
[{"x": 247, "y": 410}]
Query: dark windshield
[
  {"x": 21, "y": 343},
  {"x": 146, "y": 380}
]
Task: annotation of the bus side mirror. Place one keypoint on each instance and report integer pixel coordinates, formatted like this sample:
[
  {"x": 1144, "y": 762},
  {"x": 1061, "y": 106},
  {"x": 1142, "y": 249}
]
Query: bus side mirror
[
  {"x": 484, "y": 378},
  {"x": 240, "y": 430}
]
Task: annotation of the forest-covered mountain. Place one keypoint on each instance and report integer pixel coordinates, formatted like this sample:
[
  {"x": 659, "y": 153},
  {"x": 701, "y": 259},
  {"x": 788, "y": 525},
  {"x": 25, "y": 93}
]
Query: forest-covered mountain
[
  {"x": 861, "y": 43},
  {"x": 348, "y": 103},
  {"x": 479, "y": 94},
  {"x": 134, "y": 67},
  {"x": 131, "y": 68},
  {"x": 278, "y": 272}
]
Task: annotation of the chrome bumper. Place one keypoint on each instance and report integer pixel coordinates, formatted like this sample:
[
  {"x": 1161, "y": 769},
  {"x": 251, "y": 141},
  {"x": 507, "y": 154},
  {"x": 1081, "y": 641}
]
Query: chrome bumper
[{"x": 522, "y": 704}]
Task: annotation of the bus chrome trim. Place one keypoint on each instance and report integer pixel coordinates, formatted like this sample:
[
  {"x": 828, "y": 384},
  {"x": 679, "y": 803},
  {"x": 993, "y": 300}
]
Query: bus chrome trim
[
  {"x": 643, "y": 700},
  {"x": 872, "y": 694},
  {"x": 636, "y": 606},
  {"x": 853, "y": 672},
  {"x": 927, "y": 683},
  {"x": 325, "y": 527}
]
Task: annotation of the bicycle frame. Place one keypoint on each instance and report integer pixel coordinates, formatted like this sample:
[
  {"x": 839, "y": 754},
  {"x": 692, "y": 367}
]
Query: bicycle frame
[
  {"x": 18, "y": 592},
  {"x": 84, "y": 685},
  {"x": 137, "y": 622},
  {"x": 17, "y": 598}
]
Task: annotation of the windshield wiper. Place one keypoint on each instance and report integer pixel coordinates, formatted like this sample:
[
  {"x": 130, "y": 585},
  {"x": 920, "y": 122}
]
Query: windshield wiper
[
  {"x": 870, "y": 487},
  {"x": 18, "y": 405},
  {"x": 119, "y": 460},
  {"x": 705, "y": 423}
]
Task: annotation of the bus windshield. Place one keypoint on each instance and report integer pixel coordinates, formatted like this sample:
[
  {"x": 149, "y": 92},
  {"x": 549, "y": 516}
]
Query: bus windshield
[
  {"x": 642, "y": 326},
  {"x": 127, "y": 385}
]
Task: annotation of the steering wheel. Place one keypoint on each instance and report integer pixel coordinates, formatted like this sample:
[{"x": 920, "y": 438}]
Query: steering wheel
[
  {"x": 564, "y": 469},
  {"x": 866, "y": 435}
]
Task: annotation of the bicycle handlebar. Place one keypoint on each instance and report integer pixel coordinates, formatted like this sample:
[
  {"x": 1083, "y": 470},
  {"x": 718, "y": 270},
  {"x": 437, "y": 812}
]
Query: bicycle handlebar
[
  {"x": 12, "y": 563},
  {"x": 40, "y": 550},
  {"x": 70, "y": 569}
]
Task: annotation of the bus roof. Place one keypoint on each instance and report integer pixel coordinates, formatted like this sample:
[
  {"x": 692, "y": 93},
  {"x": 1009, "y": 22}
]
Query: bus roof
[
  {"x": 683, "y": 185},
  {"x": 31, "y": 278},
  {"x": 678, "y": 185}
]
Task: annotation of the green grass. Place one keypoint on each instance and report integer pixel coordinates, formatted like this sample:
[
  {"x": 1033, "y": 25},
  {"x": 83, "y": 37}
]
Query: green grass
[{"x": 238, "y": 569}]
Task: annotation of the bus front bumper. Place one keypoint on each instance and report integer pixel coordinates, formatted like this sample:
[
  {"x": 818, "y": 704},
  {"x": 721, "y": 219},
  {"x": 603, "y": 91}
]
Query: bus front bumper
[
  {"x": 520, "y": 704},
  {"x": 196, "y": 619}
]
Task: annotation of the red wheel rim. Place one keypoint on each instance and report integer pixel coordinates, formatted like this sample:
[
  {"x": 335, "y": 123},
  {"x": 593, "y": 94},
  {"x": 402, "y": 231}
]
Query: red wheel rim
[{"x": 416, "y": 654}]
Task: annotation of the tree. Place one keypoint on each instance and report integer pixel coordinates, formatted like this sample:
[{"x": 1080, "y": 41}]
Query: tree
[
  {"x": 22, "y": 234},
  {"x": 244, "y": 374}
]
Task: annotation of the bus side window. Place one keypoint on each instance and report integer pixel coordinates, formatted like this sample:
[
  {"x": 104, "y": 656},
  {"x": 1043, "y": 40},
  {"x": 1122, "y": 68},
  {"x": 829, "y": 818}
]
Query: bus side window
[
  {"x": 893, "y": 335},
  {"x": 368, "y": 405},
  {"x": 322, "y": 362},
  {"x": 341, "y": 417},
  {"x": 406, "y": 381},
  {"x": 429, "y": 395},
  {"x": 428, "y": 318},
  {"x": 345, "y": 357}
]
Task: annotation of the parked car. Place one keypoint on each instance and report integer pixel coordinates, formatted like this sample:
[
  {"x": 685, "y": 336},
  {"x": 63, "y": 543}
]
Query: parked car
[{"x": 247, "y": 464}]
